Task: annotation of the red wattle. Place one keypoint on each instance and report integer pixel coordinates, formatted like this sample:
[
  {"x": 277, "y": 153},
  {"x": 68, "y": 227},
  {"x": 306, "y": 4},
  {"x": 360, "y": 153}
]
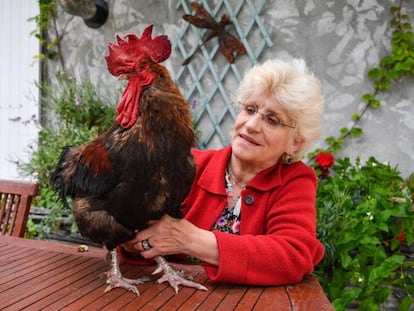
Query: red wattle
[{"x": 128, "y": 106}]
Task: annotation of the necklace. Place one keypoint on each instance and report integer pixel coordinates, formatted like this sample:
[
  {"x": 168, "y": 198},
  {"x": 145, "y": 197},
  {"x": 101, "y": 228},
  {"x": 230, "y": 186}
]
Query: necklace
[
  {"x": 229, "y": 187},
  {"x": 235, "y": 181},
  {"x": 230, "y": 182}
]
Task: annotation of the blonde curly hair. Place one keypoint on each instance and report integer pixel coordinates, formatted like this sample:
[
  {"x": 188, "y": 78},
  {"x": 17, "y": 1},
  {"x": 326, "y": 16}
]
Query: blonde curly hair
[{"x": 295, "y": 88}]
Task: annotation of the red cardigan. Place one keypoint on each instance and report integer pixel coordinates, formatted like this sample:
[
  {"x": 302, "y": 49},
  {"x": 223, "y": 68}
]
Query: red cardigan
[{"x": 277, "y": 244}]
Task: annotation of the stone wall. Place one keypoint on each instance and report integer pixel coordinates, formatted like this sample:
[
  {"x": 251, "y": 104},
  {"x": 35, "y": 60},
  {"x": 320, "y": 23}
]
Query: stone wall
[{"x": 340, "y": 41}]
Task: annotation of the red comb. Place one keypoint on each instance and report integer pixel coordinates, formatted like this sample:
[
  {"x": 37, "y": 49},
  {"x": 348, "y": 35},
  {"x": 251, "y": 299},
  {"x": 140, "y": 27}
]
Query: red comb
[{"x": 122, "y": 56}]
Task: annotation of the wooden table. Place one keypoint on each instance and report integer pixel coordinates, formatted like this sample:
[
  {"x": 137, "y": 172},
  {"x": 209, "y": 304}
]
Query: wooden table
[{"x": 40, "y": 275}]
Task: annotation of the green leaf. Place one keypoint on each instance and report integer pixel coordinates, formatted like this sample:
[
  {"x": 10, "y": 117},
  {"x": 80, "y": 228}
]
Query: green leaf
[
  {"x": 330, "y": 140},
  {"x": 376, "y": 298},
  {"x": 346, "y": 238},
  {"x": 384, "y": 270},
  {"x": 375, "y": 74},
  {"x": 356, "y": 116},
  {"x": 367, "y": 97},
  {"x": 393, "y": 262},
  {"x": 345, "y": 259},
  {"x": 393, "y": 74},
  {"x": 394, "y": 244},
  {"x": 386, "y": 61},
  {"x": 403, "y": 66},
  {"x": 355, "y": 132},
  {"x": 374, "y": 103},
  {"x": 394, "y": 9},
  {"x": 382, "y": 226},
  {"x": 405, "y": 304},
  {"x": 366, "y": 239},
  {"x": 347, "y": 296},
  {"x": 344, "y": 131}
]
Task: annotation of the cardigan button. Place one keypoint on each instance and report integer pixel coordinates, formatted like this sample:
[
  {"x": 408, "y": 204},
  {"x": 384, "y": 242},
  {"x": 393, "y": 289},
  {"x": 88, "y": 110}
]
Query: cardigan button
[{"x": 249, "y": 200}]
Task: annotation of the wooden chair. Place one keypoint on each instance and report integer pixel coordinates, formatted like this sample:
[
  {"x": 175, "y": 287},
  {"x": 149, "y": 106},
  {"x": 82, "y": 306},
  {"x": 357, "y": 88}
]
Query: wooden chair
[{"x": 15, "y": 201}]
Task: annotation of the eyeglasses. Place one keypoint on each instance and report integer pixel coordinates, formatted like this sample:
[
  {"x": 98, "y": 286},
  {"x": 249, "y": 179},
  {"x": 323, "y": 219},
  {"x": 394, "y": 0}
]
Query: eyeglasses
[{"x": 270, "y": 120}]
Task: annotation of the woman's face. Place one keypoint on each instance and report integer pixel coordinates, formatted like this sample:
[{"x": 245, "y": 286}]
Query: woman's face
[{"x": 261, "y": 133}]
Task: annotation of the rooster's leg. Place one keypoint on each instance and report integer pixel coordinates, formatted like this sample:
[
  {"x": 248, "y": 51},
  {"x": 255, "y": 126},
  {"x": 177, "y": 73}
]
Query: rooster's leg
[
  {"x": 115, "y": 278},
  {"x": 174, "y": 277}
]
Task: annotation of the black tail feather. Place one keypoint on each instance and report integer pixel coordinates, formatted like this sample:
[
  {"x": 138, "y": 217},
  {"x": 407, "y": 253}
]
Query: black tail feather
[{"x": 58, "y": 181}]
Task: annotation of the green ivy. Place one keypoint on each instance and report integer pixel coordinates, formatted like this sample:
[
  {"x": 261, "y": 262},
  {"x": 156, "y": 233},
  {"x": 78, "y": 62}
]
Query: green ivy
[
  {"x": 365, "y": 211},
  {"x": 47, "y": 32},
  {"x": 392, "y": 69},
  {"x": 47, "y": 14}
]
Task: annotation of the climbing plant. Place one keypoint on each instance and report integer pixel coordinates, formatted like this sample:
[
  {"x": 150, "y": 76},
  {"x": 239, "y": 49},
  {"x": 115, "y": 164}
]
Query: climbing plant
[
  {"x": 365, "y": 210},
  {"x": 391, "y": 69},
  {"x": 48, "y": 33}
]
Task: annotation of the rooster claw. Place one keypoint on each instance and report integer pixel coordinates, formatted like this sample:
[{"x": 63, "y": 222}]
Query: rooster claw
[
  {"x": 173, "y": 276},
  {"x": 121, "y": 282},
  {"x": 115, "y": 279}
]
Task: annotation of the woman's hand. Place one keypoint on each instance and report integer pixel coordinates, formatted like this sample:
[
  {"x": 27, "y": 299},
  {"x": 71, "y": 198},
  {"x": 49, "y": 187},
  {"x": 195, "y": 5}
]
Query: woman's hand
[
  {"x": 132, "y": 246},
  {"x": 166, "y": 236},
  {"x": 169, "y": 236}
]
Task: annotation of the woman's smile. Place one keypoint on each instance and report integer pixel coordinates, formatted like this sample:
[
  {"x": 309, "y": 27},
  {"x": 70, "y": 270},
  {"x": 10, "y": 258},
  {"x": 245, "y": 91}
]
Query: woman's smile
[{"x": 248, "y": 139}]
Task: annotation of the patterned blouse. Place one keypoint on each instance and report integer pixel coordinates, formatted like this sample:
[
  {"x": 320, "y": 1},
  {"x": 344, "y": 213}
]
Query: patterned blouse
[{"x": 229, "y": 221}]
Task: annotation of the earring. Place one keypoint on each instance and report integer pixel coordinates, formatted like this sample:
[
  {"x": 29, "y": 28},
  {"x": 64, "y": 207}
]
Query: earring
[{"x": 287, "y": 159}]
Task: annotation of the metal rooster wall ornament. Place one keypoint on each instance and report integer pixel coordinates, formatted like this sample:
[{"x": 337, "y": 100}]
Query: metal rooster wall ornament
[{"x": 228, "y": 43}]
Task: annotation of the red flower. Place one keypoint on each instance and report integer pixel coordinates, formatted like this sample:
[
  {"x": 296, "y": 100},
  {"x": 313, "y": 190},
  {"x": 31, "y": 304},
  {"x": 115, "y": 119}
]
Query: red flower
[
  {"x": 324, "y": 159},
  {"x": 401, "y": 236}
]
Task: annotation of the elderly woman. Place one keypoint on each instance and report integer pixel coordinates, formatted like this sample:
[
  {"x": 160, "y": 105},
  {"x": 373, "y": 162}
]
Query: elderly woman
[{"x": 250, "y": 216}]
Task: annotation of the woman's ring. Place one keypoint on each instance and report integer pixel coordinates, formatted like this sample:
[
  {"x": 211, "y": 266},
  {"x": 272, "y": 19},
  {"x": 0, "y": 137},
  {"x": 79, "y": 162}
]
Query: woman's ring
[{"x": 146, "y": 245}]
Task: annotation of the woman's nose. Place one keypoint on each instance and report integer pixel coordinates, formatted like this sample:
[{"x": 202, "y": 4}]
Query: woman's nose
[{"x": 255, "y": 122}]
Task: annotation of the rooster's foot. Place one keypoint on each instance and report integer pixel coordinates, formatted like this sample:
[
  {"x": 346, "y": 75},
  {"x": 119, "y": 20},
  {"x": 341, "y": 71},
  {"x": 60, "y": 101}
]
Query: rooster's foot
[
  {"x": 174, "y": 277},
  {"x": 115, "y": 281}
]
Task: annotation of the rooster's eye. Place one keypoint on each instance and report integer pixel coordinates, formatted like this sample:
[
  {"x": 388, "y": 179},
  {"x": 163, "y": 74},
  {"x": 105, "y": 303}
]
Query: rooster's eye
[{"x": 141, "y": 67}]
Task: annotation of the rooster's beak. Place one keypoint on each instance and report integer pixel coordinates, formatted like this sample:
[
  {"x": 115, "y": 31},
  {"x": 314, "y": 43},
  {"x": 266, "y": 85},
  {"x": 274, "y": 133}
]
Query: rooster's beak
[{"x": 123, "y": 76}]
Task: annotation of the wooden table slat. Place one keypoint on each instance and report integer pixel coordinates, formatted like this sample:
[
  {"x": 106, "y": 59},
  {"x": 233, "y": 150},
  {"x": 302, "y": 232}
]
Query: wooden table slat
[
  {"x": 144, "y": 299},
  {"x": 102, "y": 301},
  {"x": 29, "y": 271},
  {"x": 45, "y": 284},
  {"x": 176, "y": 301},
  {"x": 233, "y": 298},
  {"x": 215, "y": 297},
  {"x": 267, "y": 300},
  {"x": 89, "y": 284},
  {"x": 63, "y": 289},
  {"x": 250, "y": 298},
  {"x": 41, "y": 275},
  {"x": 308, "y": 295}
]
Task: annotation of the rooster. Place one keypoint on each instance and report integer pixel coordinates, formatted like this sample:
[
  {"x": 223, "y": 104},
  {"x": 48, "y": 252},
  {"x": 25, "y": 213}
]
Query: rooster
[{"x": 141, "y": 168}]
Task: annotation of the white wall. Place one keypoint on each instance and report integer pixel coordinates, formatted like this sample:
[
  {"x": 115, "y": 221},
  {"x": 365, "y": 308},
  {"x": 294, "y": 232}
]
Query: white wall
[{"x": 19, "y": 100}]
